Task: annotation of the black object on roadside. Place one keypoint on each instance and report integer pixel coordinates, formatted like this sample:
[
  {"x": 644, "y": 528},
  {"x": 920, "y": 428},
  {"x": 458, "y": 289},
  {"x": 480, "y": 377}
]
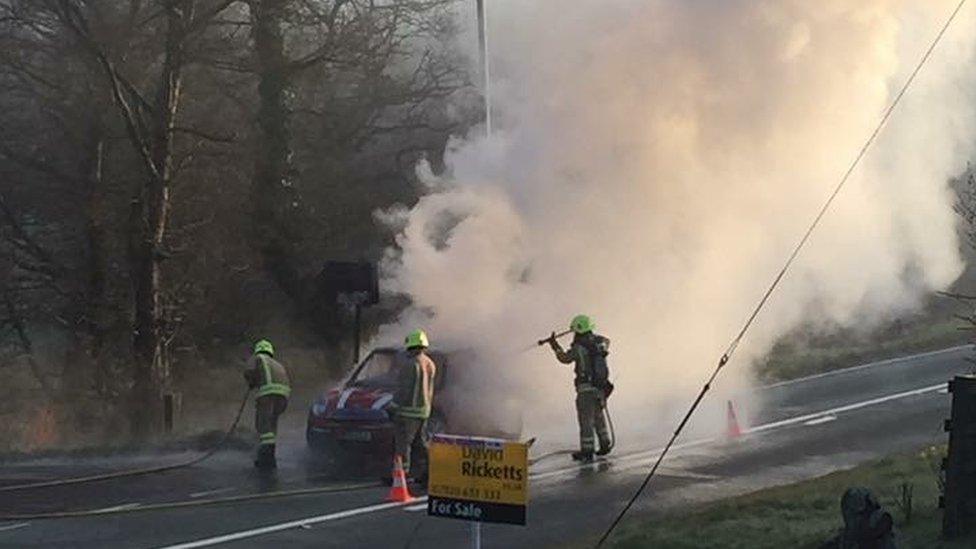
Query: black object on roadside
[{"x": 866, "y": 524}]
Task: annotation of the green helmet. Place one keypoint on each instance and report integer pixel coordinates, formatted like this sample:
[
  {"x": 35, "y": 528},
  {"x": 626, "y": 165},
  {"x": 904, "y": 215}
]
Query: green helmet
[
  {"x": 417, "y": 339},
  {"x": 264, "y": 346},
  {"x": 582, "y": 324}
]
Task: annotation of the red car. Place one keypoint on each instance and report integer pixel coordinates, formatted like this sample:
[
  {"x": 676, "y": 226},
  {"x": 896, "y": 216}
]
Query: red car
[{"x": 353, "y": 416}]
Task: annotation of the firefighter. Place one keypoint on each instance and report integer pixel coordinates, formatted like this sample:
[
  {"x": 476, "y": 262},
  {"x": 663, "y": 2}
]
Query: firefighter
[
  {"x": 588, "y": 353},
  {"x": 270, "y": 378},
  {"x": 413, "y": 399}
]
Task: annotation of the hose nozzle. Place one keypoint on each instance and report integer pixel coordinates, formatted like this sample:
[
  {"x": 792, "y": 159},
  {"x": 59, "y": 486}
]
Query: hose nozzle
[{"x": 554, "y": 337}]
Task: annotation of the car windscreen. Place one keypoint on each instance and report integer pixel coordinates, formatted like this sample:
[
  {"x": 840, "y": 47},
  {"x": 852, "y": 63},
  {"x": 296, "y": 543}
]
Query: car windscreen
[{"x": 379, "y": 370}]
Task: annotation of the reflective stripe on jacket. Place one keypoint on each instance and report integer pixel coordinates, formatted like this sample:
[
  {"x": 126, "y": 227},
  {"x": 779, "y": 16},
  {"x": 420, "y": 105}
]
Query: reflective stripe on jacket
[
  {"x": 270, "y": 376},
  {"x": 415, "y": 390}
]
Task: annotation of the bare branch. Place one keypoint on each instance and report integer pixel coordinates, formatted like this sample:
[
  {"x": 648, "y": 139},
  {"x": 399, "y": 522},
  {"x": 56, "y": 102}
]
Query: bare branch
[
  {"x": 206, "y": 135},
  {"x": 37, "y": 165},
  {"x": 74, "y": 20},
  {"x": 22, "y": 235},
  {"x": 954, "y": 295},
  {"x": 17, "y": 323}
]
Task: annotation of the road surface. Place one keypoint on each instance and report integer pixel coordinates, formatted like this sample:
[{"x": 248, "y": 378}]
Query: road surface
[{"x": 805, "y": 428}]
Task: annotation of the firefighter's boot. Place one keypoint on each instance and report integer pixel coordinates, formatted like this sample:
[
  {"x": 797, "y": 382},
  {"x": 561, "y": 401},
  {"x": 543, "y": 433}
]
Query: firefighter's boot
[
  {"x": 604, "y": 450},
  {"x": 584, "y": 457}
]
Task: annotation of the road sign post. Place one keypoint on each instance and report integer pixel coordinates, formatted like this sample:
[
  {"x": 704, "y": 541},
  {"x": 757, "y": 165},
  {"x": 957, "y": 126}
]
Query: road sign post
[
  {"x": 959, "y": 499},
  {"x": 478, "y": 480}
]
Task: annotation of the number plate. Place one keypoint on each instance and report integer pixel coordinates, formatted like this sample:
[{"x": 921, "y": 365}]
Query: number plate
[{"x": 357, "y": 436}]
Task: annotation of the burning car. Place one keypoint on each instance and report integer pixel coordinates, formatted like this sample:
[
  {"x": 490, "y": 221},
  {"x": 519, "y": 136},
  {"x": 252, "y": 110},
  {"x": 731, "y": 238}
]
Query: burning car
[{"x": 353, "y": 417}]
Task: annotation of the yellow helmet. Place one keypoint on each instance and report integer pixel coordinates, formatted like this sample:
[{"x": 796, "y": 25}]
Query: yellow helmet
[
  {"x": 264, "y": 346},
  {"x": 582, "y": 324},
  {"x": 417, "y": 340}
]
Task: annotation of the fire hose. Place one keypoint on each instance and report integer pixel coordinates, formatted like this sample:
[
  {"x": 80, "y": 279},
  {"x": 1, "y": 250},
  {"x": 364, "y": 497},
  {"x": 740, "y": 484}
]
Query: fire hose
[
  {"x": 142, "y": 471},
  {"x": 190, "y": 503},
  {"x": 168, "y": 505}
]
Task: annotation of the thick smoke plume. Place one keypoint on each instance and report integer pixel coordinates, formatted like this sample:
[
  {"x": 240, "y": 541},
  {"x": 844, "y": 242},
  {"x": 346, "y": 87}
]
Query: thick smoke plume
[{"x": 654, "y": 164}]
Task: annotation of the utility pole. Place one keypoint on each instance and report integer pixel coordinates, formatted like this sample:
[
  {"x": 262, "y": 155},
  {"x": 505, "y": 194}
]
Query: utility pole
[
  {"x": 959, "y": 500},
  {"x": 485, "y": 73}
]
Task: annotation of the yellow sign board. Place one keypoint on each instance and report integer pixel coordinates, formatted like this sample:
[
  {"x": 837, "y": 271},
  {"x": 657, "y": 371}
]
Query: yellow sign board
[{"x": 479, "y": 479}]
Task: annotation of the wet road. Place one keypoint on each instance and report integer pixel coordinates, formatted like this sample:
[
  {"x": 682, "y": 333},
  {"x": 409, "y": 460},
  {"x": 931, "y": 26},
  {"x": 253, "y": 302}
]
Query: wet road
[{"x": 805, "y": 428}]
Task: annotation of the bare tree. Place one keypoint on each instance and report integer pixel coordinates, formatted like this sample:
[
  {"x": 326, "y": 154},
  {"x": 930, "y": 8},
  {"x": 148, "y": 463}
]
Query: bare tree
[
  {"x": 364, "y": 80},
  {"x": 150, "y": 121},
  {"x": 140, "y": 139},
  {"x": 274, "y": 196}
]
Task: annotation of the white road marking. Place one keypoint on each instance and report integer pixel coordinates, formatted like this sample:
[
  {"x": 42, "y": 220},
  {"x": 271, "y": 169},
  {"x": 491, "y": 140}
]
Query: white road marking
[
  {"x": 117, "y": 508},
  {"x": 288, "y": 525},
  {"x": 415, "y": 504},
  {"x": 820, "y": 420},
  {"x": 649, "y": 454},
  {"x": 944, "y": 391},
  {"x": 14, "y": 526},
  {"x": 866, "y": 366},
  {"x": 195, "y": 495},
  {"x": 685, "y": 474},
  {"x": 847, "y": 408},
  {"x": 636, "y": 456},
  {"x": 415, "y": 508}
]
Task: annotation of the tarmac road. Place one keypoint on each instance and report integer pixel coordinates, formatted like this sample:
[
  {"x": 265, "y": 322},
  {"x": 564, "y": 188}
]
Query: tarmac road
[{"x": 806, "y": 428}]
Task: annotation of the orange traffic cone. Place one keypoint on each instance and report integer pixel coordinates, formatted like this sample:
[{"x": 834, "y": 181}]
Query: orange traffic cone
[
  {"x": 732, "y": 429},
  {"x": 399, "y": 492}
]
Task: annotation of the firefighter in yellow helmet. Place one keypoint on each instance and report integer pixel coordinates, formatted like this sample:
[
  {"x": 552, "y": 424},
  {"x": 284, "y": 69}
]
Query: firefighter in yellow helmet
[
  {"x": 270, "y": 378},
  {"x": 588, "y": 354},
  {"x": 413, "y": 400}
]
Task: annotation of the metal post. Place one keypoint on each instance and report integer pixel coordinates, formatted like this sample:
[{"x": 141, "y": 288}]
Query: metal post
[
  {"x": 475, "y": 535},
  {"x": 169, "y": 410},
  {"x": 172, "y": 404},
  {"x": 959, "y": 501},
  {"x": 485, "y": 73},
  {"x": 357, "y": 344}
]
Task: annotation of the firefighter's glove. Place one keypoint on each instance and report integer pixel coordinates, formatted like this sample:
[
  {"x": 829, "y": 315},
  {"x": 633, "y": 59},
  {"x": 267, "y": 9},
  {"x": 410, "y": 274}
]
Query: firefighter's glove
[{"x": 553, "y": 343}]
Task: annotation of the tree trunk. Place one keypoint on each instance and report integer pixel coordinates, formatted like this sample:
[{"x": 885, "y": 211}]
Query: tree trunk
[
  {"x": 95, "y": 294},
  {"x": 152, "y": 375},
  {"x": 273, "y": 195},
  {"x": 81, "y": 373}
]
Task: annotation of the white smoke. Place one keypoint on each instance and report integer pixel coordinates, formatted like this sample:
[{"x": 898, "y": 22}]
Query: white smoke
[{"x": 654, "y": 163}]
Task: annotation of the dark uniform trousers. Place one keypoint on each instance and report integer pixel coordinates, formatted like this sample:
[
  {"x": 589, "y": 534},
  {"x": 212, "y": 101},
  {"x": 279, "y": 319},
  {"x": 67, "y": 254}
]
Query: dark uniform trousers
[
  {"x": 589, "y": 411},
  {"x": 267, "y": 410}
]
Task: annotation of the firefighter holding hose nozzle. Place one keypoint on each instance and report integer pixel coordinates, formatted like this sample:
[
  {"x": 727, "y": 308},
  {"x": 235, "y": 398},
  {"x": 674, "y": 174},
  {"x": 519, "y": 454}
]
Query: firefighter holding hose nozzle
[
  {"x": 270, "y": 378},
  {"x": 588, "y": 353}
]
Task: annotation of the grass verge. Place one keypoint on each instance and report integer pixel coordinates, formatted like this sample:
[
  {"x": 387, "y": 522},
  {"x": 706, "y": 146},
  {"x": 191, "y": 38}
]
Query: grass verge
[
  {"x": 794, "y": 357},
  {"x": 806, "y": 514}
]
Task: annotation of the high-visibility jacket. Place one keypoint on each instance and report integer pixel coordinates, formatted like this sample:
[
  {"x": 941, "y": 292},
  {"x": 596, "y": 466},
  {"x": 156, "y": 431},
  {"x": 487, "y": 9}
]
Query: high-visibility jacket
[
  {"x": 414, "y": 396},
  {"x": 267, "y": 375}
]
